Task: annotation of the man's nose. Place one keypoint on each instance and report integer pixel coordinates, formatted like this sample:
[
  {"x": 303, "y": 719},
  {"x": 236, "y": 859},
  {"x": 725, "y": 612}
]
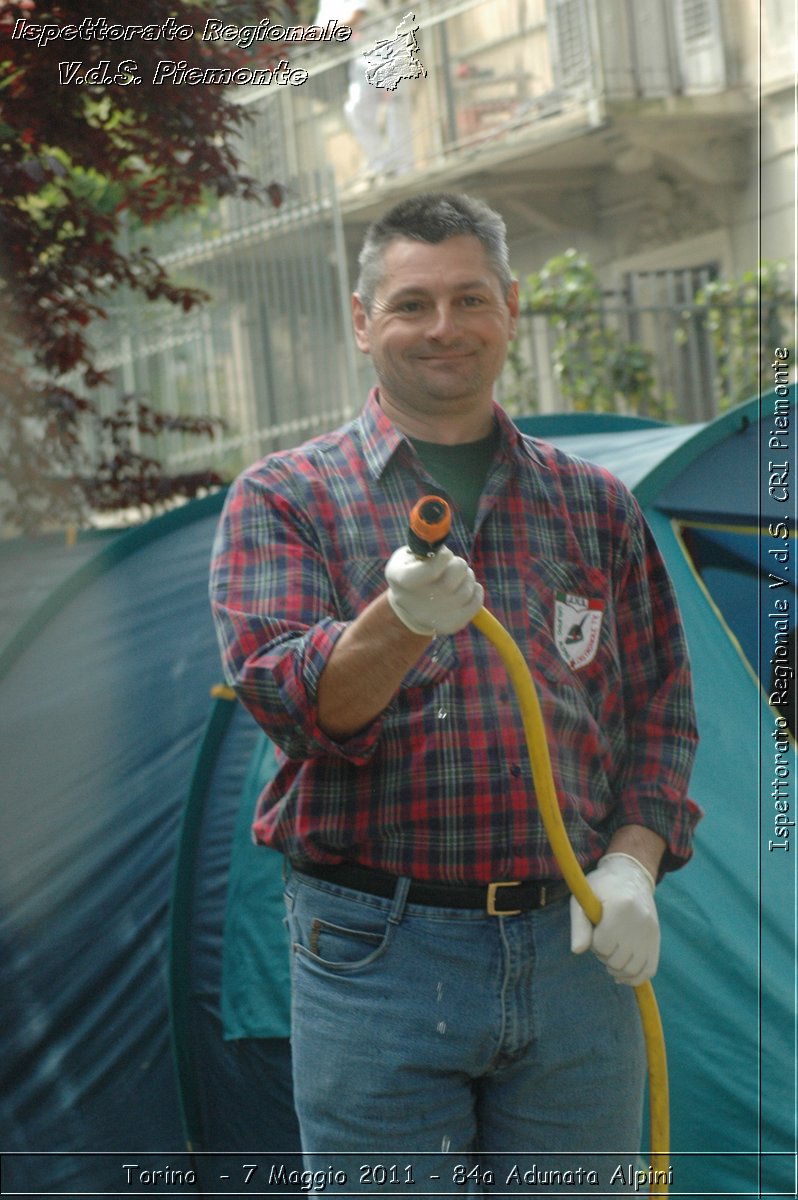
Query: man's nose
[{"x": 443, "y": 322}]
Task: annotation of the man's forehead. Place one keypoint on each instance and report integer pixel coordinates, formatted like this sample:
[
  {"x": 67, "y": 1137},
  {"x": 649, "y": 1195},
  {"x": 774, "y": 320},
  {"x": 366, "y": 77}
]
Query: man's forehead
[
  {"x": 460, "y": 262},
  {"x": 401, "y": 249}
]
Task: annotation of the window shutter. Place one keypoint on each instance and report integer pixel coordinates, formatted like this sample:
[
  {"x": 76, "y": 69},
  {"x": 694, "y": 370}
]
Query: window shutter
[
  {"x": 569, "y": 41},
  {"x": 699, "y": 45}
]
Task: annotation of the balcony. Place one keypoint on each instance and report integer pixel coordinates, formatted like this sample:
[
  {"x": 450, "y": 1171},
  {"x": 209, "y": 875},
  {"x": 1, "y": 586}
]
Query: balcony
[
  {"x": 518, "y": 96},
  {"x": 535, "y": 104}
]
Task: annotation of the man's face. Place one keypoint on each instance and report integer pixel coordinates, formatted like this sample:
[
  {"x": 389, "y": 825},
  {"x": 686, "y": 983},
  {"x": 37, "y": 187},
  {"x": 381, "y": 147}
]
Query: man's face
[{"x": 439, "y": 327}]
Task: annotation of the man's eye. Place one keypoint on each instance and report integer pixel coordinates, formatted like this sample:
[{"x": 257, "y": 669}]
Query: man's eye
[
  {"x": 410, "y": 306},
  {"x": 473, "y": 301}
]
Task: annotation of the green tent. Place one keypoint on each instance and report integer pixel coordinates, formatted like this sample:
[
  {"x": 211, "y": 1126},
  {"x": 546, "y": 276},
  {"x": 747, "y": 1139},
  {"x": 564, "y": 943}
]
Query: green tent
[{"x": 144, "y": 970}]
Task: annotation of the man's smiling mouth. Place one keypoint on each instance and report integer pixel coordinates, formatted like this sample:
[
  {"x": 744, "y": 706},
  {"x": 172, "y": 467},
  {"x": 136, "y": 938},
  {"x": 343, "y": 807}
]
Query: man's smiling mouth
[{"x": 446, "y": 357}]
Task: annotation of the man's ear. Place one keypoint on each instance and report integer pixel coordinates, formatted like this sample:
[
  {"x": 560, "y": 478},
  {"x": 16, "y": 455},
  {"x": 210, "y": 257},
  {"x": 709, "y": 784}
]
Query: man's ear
[
  {"x": 513, "y": 304},
  {"x": 360, "y": 324}
]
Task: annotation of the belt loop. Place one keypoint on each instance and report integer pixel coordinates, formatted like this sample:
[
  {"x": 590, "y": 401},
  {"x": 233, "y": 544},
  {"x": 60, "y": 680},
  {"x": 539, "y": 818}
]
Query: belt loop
[{"x": 399, "y": 900}]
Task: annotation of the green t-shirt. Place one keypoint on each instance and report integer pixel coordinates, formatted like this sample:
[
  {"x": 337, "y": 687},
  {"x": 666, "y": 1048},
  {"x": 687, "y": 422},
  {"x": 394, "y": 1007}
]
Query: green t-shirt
[{"x": 461, "y": 470}]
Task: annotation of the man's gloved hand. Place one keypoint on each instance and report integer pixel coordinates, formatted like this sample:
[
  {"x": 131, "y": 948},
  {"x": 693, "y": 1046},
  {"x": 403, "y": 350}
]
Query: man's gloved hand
[
  {"x": 432, "y": 595},
  {"x": 626, "y": 938}
]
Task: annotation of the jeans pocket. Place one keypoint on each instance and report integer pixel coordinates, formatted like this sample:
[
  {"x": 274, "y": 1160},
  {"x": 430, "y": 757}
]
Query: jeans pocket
[{"x": 342, "y": 938}]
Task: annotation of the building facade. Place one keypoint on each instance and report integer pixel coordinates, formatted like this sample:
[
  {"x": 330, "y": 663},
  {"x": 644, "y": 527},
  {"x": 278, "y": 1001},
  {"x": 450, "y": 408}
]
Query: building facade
[{"x": 656, "y": 137}]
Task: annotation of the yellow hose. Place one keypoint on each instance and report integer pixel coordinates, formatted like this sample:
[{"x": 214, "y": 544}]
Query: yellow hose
[{"x": 574, "y": 876}]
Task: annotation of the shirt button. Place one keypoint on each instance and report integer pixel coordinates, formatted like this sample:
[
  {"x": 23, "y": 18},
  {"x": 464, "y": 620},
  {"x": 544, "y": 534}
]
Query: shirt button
[{"x": 515, "y": 770}]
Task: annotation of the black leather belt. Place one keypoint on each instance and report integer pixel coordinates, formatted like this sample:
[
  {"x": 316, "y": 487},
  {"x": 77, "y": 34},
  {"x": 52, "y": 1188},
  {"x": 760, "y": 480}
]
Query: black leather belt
[{"x": 505, "y": 898}]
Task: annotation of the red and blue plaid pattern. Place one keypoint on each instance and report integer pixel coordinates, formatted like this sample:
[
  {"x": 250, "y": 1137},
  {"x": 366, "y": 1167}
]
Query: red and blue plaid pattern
[{"x": 439, "y": 787}]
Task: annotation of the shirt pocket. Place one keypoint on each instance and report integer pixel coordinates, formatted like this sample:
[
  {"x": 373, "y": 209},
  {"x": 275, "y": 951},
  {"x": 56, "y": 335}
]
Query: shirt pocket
[
  {"x": 572, "y": 634},
  {"x": 359, "y": 581},
  {"x": 434, "y": 666}
]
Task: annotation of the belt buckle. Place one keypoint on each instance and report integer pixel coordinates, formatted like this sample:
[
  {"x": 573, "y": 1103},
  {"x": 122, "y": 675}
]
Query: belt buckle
[{"x": 491, "y": 904}]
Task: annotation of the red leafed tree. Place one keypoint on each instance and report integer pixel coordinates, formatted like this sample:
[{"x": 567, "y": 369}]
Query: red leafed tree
[{"x": 77, "y": 159}]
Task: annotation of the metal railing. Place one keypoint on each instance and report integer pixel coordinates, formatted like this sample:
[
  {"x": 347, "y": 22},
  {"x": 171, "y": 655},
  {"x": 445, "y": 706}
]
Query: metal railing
[
  {"x": 676, "y": 362},
  {"x": 679, "y": 363},
  {"x": 496, "y": 73}
]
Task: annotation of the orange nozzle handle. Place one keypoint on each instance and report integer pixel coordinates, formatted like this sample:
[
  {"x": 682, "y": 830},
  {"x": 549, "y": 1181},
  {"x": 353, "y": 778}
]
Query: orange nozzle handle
[{"x": 430, "y": 522}]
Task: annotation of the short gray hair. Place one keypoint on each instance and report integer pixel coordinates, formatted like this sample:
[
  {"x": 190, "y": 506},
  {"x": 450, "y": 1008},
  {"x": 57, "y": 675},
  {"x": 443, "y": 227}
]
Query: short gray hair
[{"x": 432, "y": 217}]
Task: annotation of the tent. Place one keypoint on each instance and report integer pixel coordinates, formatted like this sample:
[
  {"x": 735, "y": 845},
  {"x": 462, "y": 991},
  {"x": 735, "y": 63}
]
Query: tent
[{"x": 145, "y": 970}]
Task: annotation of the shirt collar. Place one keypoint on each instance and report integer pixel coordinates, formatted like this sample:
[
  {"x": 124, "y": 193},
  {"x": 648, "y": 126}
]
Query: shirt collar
[
  {"x": 381, "y": 439},
  {"x": 517, "y": 444}
]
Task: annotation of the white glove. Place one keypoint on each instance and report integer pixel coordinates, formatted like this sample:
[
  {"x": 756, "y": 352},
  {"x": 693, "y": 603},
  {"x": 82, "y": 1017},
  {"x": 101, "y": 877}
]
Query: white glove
[
  {"x": 432, "y": 595},
  {"x": 626, "y": 938}
]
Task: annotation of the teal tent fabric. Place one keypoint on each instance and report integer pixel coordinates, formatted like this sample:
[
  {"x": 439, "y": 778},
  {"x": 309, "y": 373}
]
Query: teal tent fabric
[
  {"x": 120, "y": 765},
  {"x": 235, "y": 1094},
  {"x": 255, "y": 973},
  {"x": 728, "y": 953},
  {"x": 105, "y": 683}
]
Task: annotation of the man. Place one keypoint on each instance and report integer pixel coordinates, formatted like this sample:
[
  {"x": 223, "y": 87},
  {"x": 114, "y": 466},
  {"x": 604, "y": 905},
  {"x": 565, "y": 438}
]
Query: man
[{"x": 423, "y": 1018}]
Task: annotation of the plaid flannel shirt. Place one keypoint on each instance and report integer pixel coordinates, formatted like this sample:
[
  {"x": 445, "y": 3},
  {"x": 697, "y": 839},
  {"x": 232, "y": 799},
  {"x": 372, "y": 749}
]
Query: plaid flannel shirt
[{"x": 439, "y": 785}]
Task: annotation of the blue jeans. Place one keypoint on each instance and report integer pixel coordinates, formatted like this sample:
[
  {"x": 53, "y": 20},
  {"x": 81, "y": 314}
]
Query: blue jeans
[{"x": 452, "y": 1041}]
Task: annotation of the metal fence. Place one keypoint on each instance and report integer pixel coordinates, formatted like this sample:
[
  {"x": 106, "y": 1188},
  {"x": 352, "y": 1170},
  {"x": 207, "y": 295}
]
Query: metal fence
[
  {"x": 269, "y": 353},
  {"x": 677, "y": 362},
  {"x": 279, "y": 374}
]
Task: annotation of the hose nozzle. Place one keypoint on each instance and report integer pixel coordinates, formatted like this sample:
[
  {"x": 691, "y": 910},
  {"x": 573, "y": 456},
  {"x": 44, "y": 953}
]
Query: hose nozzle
[{"x": 430, "y": 522}]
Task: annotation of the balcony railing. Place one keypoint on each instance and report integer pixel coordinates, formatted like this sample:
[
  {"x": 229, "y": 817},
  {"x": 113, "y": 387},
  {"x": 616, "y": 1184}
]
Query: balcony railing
[
  {"x": 491, "y": 70},
  {"x": 675, "y": 362},
  {"x": 501, "y": 77}
]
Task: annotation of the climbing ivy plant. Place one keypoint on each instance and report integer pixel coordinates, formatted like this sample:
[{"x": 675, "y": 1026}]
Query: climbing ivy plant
[
  {"x": 747, "y": 318},
  {"x": 596, "y": 368}
]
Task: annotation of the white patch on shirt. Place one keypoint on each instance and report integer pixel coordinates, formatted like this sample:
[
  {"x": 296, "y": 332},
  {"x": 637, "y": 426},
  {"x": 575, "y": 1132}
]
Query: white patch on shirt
[{"x": 577, "y": 628}]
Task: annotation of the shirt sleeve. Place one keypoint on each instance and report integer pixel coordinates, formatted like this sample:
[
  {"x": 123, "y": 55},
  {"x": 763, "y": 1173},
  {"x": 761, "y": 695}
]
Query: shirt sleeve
[
  {"x": 275, "y": 615},
  {"x": 661, "y": 728}
]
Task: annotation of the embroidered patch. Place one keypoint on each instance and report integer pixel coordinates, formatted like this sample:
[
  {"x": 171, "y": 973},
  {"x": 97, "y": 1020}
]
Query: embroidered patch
[{"x": 577, "y": 628}]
